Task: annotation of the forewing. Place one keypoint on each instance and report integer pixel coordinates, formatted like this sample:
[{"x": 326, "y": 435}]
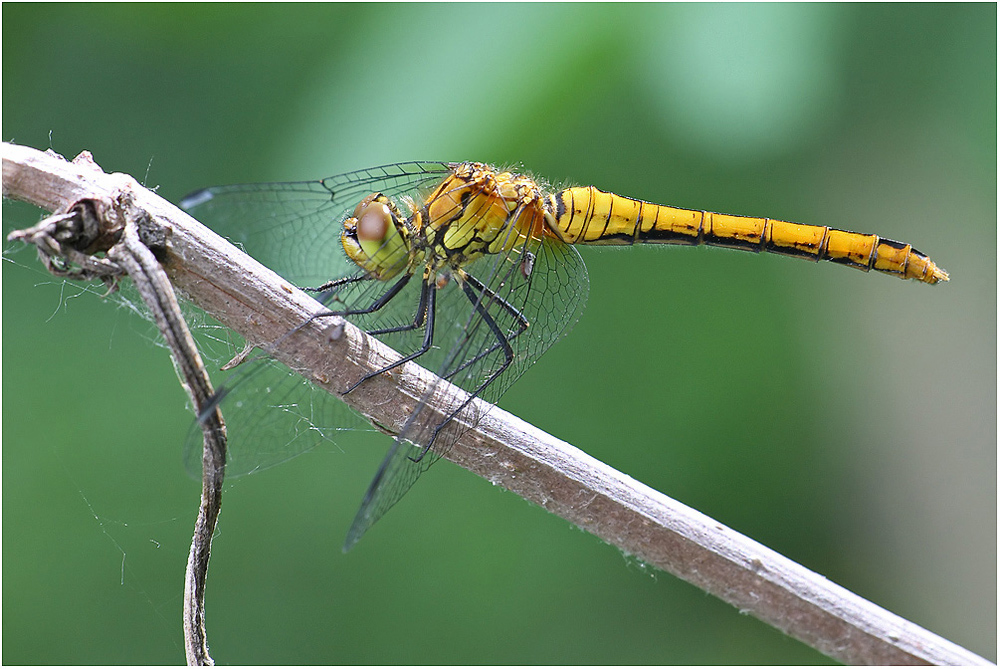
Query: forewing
[{"x": 294, "y": 227}]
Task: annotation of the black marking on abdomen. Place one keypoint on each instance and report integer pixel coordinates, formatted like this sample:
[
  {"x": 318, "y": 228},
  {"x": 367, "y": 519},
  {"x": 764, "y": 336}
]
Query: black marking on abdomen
[
  {"x": 850, "y": 262},
  {"x": 732, "y": 243},
  {"x": 899, "y": 246},
  {"x": 792, "y": 251},
  {"x": 614, "y": 238},
  {"x": 560, "y": 205},
  {"x": 657, "y": 236},
  {"x": 611, "y": 209}
]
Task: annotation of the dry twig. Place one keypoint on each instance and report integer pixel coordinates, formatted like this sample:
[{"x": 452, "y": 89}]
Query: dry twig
[
  {"x": 66, "y": 244},
  {"x": 640, "y": 521},
  {"x": 154, "y": 286}
]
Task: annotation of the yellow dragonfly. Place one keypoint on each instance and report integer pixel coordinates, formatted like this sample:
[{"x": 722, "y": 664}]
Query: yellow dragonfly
[{"x": 471, "y": 271}]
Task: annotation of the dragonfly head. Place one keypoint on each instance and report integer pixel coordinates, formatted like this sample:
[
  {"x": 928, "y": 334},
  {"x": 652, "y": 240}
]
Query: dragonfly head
[{"x": 376, "y": 238}]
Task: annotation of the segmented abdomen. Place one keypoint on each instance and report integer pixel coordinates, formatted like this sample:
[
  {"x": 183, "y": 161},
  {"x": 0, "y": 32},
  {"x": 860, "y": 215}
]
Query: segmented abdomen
[{"x": 586, "y": 215}]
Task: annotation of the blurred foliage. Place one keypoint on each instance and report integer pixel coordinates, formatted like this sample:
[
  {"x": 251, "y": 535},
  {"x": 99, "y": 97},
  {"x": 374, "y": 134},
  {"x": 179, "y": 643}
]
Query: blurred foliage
[{"x": 847, "y": 421}]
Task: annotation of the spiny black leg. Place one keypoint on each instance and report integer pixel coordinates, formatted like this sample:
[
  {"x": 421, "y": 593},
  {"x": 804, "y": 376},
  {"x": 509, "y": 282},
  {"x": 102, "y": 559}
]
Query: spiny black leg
[
  {"x": 375, "y": 306},
  {"x": 418, "y": 318},
  {"x": 428, "y": 292},
  {"x": 502, "y": 342},
  {"x": 336, "y": 283},
  {"x": 522, "y": 323},
  {"x": 378, "y": 304}
]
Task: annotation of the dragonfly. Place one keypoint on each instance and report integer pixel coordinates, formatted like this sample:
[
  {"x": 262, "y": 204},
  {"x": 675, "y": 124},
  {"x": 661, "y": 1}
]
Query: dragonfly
[{"x": 470, "y": 270}]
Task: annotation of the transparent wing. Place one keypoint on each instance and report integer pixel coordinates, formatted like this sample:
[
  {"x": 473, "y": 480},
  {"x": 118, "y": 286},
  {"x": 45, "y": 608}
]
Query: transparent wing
[
  {"x": 294, "y": 228},
  {"x": 272, "y": 415}
]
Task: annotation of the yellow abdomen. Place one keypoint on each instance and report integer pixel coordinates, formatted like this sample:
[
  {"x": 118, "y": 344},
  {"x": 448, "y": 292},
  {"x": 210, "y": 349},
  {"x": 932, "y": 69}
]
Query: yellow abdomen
[{"x": 586, "y": 215}]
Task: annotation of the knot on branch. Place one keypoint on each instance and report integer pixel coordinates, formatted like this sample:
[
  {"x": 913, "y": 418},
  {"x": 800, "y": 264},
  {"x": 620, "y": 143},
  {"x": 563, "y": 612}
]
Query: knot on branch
[
  {"x": 72, "y": 244},
  {"x": 75, "y": 243}
]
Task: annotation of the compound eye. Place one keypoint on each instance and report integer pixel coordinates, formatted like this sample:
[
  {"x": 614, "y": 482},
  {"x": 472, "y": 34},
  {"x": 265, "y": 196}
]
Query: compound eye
[
  {"x": 364, "y": 203},
  {"x": 374, "y": 220}
]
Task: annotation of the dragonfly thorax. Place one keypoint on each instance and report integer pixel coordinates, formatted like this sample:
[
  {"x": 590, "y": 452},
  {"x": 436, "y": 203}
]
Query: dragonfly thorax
[
  {"x": 479, "y": 211},
  {"x": 474, "y": 212}
]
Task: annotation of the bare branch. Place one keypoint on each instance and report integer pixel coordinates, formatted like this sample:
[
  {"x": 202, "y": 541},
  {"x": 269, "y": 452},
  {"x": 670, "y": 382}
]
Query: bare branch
[
  {"x": 258, "y": 304},
  {"x": 154, "y": 286},
  {"x": 65, "y": 244}
]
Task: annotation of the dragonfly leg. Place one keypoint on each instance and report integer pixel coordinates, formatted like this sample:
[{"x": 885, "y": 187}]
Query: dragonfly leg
[
  {"x": 521, "y": 322},
  {"x": 424, "y": 317},
  {"x": 378, "y": 304},
  {"x": 476, "y": 297},
  {"x": 382, "y": 300},
  {"x": 418, "y": 318},
  {"x": 336, "y": 283},
  {"x": 427, "y": 298}
]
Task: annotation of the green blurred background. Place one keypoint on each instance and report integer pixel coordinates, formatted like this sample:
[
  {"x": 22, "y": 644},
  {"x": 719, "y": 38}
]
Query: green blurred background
[{"x": 845, "y": 420}]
